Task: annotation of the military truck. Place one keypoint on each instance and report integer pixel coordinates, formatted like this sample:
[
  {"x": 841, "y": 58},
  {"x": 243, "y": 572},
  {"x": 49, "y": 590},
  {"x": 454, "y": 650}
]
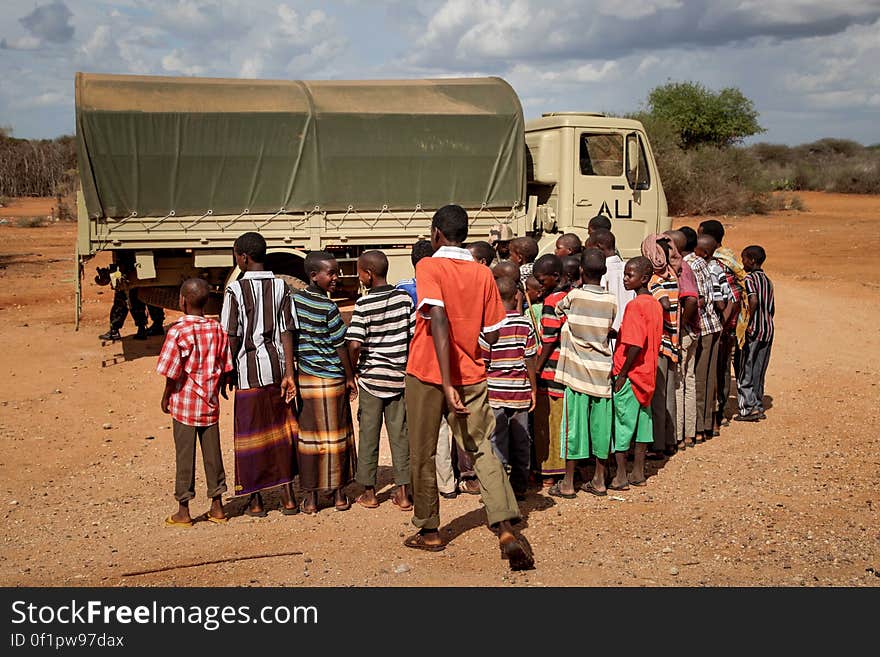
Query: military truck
[{"x": 172, "y": 170}]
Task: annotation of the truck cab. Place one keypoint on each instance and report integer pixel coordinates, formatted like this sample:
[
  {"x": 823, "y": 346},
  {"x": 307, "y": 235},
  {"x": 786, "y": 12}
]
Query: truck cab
[{"x": 581, "y": 164}]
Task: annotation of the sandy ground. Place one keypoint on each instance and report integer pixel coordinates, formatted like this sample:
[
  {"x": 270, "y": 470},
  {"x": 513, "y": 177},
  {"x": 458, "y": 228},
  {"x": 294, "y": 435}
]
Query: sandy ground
[{"x": 790, "y": 501}]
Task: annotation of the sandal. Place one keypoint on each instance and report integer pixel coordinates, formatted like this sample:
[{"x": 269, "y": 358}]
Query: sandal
[
  {"x": 262, "y": 513},
  {"x": 345, "y": 506},
  {"x": 469, "y": 486},
  {"x": 403, "y": 507},
  {"x": 556, "y": 491},
  {"x": 417, "y": 542},
  {"x": 592, "y": 490},
  {"x": 360, "y": 500},
  {"x": 517, "y": 556},
  {"x": 310, "y": 511}
]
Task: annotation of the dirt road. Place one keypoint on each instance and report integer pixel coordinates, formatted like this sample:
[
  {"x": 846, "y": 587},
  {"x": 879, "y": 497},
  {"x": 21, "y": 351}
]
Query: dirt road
[{"x": 792, "y": 500}]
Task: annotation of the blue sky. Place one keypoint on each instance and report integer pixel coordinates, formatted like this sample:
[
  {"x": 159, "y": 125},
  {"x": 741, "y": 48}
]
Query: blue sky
[{"x": 809, "y": 65}]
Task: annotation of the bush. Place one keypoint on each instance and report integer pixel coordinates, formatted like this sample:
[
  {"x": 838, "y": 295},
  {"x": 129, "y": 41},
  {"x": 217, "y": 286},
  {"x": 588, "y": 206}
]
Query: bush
[
  {"x": 36, "y": 167},
  {"x": 30, "y": 222},
  {"x": 712, "y": 180},
  {"x": 829, "y": 165},
  {"x": 857, "y": 176}
]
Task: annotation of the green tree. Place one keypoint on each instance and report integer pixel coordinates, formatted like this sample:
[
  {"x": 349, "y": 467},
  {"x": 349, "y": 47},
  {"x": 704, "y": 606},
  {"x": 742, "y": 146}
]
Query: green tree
[{"x": 701, "y": 116}]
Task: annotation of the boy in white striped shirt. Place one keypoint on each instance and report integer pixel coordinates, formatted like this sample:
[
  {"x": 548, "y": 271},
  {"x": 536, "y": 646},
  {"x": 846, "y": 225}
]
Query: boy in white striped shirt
[
  {"x": 258, "y": 321},
  {"x": 382, "y": 326}
]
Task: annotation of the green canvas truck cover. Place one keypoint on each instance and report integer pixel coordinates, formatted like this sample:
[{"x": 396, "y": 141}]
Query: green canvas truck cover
[{"x": 153, "y": 145}]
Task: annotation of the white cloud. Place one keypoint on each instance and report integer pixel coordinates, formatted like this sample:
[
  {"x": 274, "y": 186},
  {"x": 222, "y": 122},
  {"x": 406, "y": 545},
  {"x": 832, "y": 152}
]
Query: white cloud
[
  {"x": 101, "y": 46},
  {"x": 809, "y": 65},
  {"x": 632, "y": 9},
  {"x": 178, "y": 62},
  {"x": 22, "y": 43},
  {"x": 46, "y": 99}
]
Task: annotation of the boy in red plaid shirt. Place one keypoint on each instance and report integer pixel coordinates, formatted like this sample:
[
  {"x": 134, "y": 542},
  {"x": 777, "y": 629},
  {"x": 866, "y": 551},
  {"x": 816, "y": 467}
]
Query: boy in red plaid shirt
[{"x": 195, "y": 359}]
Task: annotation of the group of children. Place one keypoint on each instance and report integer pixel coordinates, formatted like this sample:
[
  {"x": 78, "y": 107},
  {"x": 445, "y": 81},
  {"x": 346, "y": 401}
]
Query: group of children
[{"x": 533, "y": 364}]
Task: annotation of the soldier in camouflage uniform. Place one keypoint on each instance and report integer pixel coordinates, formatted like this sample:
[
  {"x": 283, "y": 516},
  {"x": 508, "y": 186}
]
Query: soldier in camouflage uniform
[{"x": 126, "y": 299}]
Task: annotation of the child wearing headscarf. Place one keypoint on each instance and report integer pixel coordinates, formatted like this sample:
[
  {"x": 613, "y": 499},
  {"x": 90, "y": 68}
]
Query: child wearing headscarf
[{"x": 663, "y": 286}]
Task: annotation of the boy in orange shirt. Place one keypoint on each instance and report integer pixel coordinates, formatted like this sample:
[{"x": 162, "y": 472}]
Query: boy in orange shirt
[
  {"x": 634, "y": 373},
  {"x": 446, "y": 376}
]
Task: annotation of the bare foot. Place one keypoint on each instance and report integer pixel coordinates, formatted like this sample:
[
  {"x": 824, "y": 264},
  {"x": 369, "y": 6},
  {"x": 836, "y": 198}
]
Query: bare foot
[
  {"x": 288, "y": 499},
  {"x": 401, "y": 499},
  {"x": 341, "y": 501},
  {"x": 182, "y": 515},
  {"x": 216, "y": 510},
  {"x": 310, "y": 503},
  {"x": 620, "y": 480},
  {"x": 255, "y": 504}
]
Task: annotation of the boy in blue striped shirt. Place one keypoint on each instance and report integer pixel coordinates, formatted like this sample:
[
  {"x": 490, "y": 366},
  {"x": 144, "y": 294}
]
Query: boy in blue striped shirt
[{"x": 326, "y": 450}]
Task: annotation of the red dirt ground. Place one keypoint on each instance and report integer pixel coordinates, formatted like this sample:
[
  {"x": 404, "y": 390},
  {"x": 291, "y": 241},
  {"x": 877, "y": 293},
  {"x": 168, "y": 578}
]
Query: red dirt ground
[{"x": 790, "y": 501}]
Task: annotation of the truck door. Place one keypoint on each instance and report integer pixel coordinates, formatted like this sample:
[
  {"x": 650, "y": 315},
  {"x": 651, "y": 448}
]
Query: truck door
[{"x": 601, "y": 187}]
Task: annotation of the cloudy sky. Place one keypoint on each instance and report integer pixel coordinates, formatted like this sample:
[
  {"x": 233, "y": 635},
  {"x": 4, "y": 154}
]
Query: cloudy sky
[{"x": 811, "y": 66}]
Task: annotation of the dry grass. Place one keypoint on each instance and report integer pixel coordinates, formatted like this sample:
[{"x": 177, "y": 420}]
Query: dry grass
[{"x": 30, "y": 222}]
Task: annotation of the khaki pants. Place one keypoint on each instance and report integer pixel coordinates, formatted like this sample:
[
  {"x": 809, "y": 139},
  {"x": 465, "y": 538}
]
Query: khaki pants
[
  {"x": 445, "y": 473},
  {"x": 371, "y": 410},
  {"x": 686, "y": 388},
  {"x": 185, "y": 447},
  {"x": 425, "y": 406}
]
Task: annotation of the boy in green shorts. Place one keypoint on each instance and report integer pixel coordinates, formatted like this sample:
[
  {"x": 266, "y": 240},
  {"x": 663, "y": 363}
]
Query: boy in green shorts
[
  {"x": 584, "y": 366},
  {"x": 634, "y": 373}
]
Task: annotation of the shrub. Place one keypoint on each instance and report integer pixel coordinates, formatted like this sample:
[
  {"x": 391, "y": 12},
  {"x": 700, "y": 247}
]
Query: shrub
[
  {"x": 712, "y": 180},
  {"x": 30, "y": 222}
]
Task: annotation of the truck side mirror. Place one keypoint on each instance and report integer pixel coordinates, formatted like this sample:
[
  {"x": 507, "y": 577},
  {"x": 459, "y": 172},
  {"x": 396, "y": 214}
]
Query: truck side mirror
[{"x": 632, "y": 159}]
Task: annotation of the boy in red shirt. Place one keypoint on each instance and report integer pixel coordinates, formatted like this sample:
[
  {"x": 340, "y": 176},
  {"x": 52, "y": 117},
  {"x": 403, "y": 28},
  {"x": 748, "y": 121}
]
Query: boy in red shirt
[
  {"x": 446, "y": 376},
  {"x": 635, "y": 373},
  {"x": 195, "y": 357}
]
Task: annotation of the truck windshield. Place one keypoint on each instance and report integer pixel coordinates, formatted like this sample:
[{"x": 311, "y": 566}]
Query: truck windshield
[{"x": 601, "y": 154}]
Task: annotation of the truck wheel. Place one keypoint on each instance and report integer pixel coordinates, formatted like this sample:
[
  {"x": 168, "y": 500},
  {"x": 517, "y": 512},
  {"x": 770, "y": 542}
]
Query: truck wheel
[{"x": 293, "y": 283}]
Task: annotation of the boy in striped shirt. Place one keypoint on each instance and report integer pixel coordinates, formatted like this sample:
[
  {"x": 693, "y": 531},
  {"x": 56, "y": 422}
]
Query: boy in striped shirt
[
  {"x": 584, "y": 368},
  {"x": 510, "y": 372},
  {"x": 378, "y": 337},
  {"x": 259, "y": 325},
  {"x": 755, "y": 354}
]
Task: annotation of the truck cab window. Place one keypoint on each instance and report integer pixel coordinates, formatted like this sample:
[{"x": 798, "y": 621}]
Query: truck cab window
[
  {"x": 601, "y": 154},
  {"x": 643, "y": 180}
]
